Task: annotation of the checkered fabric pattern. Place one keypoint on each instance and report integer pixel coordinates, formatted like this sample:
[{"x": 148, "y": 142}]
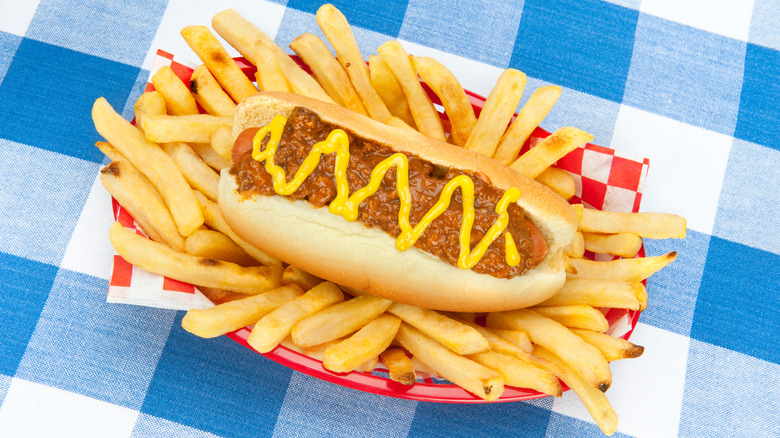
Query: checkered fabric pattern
[{"x": 694, "y": 86}]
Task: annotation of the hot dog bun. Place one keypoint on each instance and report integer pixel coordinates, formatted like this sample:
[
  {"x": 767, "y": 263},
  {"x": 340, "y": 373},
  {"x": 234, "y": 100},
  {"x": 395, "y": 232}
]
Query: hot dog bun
[{"x": 359, "y": 257}]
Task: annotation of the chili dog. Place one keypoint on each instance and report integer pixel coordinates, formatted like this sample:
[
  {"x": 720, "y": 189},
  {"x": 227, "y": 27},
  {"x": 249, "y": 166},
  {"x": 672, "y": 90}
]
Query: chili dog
[{"x": 393, "y": 214}]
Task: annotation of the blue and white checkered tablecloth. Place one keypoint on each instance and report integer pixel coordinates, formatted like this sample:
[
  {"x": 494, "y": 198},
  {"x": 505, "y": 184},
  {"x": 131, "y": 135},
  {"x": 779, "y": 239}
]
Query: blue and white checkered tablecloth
[{"x": 692, "y": 85}]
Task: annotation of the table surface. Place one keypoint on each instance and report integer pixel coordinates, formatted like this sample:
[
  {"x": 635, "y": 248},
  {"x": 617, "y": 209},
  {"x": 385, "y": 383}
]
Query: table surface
[{"x": 693, "y": 86}]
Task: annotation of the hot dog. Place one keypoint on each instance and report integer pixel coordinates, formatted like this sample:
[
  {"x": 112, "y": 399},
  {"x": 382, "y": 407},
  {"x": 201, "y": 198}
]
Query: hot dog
[{"x": 390, "y": 213}]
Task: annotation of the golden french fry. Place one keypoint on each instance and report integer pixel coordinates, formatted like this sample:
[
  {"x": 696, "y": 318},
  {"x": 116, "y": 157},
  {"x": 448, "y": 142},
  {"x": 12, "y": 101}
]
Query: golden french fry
[
  {"x": 631, "y": 270},
  {"x": 336, "y": 29},
  {"x": 517, "y": 338},
  {"x": 300, "y": 277},
  {"x": 160, "y": 259},
  {"x": 453, "y": 97},
  {"x": 650, "y": 225},
  {"x": 269, "y": 75},
  {"x": 192, "y": 128},
  {"x": 213, "y": 218},
  {"x": 141, "y": 200},
  {"x": 575, "y": 316},
  {"x": 178, "y": 99},
  {"x": 150, "y": 160},
  {"x": 371, "y": 340},
  {"x": 218, "y": 61},
  {"x": 210, "y": 244},
  {"x": 534, "y": 111},
  {"x": 222, "y": 142},
  {"x": 209, "y": 94},
  {"x": 559, "y": 180},
  {"x": 469, "y": 375},
  {"x": 198, "y": 174},
  {"x": 453, "y": 334},
  {"x": 388, "y": 88},
  {"x": 318, "y": 352},
  {"x": 594, "y": 400},
  {"x": 425, "y": 115},
  {"x": 150, "y": 102},
  {"x": 578, "y": 354},
  {"x": 576, "y": 250},
  {"x": 210, "y": 156},
  {"x": 550, "y": 150},
  {"x": 329, "y": 73},
  {"x": 242, "y": 35},
  {"x": 338, "y": 320},
  {"x": 611, "y": 347},
  {"x": 219, "y": 296},
  {"x": 500, "y": 344},
  {"x": 499, "y": 108},
  {"x": 621, "y": 244},
  {"x": 275, "y": 326},
  {"x": 598, "y": 293},
  {"x": 399, "y": 366},
  {"x": 111, "y": 152},
  {"x": 518, "y": 373},
  {"x": 233, "y": 315}
]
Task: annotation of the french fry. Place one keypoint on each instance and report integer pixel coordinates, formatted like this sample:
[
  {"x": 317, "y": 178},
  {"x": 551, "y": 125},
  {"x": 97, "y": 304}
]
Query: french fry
[
  {"x": 388, "y": 88},
  {"x": 517, "y": 338},
  {"x": 576, "y": 249},
  {"x": 611, "y": 347},
  {"x": 399, "y": 366},
  {"x": 477, "y": 379},
  {"x": 338, "y": 320},
  {"x": 218, "y": 61},
  {"x": 150, "y": 160},
  {"x": 426, "y": 118},
  {"x": 581, "y": 356},
  {"x": 631, "y": 270},
  {"x": 111, "y": 152},
  {"x": 550, "y": 150},
  {"x": 213, "y": 218},
  {"x": 210, "y": 244},
  {"x": 233, "y": 315},
  {"x": 371, "y": 340},
  {"x": 598, "y": 293},
  {"x": 318, "y": 352},
  {"x": 275, "y": 326},
  {"x": 222, "y": 142},
  {"x": 178, "y": 99},
  {"x": 453, "y": 97},
  {"x": 269, "y": 75},
  {"x": 498, "y": 110},
  {"x": 520, "y": 374},
  {"x": 559, "y": 180},
  {"x": 621, "y": 244},
  {"x": 336, "y": 29},
  {"x": 575, "y": 316},
  {"x": 534, "y": 111},
  {"x": 150, "y": 102},
  {"x": 649, "y": 225},
  {"x": 328, "y": 72},
  {"x": 594, "y": 400},
  {"x": 141, "y": 200},
  {"x": 300, "y": 277},
  {"x": 209, "y": 94},
  {"x": 219, "y": 296},
  {"x": 242, "y": 35},
  {"x": 500, "y": 344},
  {"x": 160, "y": 259},
  {"x": 453, "y": 334},
  {"x": 210, "y": 156},
  {"x": 192, "y": 128},
  {"x": 198, "y": 174}
]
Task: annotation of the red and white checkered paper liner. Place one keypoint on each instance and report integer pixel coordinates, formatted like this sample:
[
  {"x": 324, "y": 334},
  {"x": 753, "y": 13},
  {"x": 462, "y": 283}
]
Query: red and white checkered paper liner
[{"x": 605, "y": 180}]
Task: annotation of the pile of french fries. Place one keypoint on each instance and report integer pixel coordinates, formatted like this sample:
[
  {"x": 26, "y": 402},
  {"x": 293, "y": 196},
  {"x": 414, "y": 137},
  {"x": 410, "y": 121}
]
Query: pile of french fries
[{"x": 164, "y": 171}]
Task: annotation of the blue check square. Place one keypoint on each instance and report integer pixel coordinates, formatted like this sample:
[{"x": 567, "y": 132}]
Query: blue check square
[
  {"x": 686, "y": 74},
  {"x": 444, "y": 419},
  {"x": 375, "y": 15},
  {"x": 736, "y": 297},
  {"x": 8, "y": 45},
  {"x": 584, "y": 45},
  {"x": 243, "y": 400},
  {"x": 37, "y": 108},
  {"x": 491, "y": 42},
  {"x": 759, "y": 113}
]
